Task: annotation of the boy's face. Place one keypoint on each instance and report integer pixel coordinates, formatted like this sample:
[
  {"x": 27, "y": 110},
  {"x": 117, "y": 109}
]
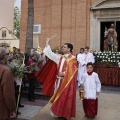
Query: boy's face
[
  {"x": 81, "y": 50},
  {"x": 86, "y": 51},
  {"x": 90, "y": 68}
]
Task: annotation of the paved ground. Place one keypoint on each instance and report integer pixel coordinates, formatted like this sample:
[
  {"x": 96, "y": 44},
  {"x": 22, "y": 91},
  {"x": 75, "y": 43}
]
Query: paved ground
[
  {"x": 109, "y": 108},
  {"x": 29, "y": 111},
  {"x": 30, "y": 108}
]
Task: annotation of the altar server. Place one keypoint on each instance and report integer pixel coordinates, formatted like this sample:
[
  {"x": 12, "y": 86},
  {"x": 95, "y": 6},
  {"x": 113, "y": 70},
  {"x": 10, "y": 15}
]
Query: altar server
[
  {"x": 83, "y": 59},
  {"x": 92, "y": 87},
  {"x": 80, "y": 58}
]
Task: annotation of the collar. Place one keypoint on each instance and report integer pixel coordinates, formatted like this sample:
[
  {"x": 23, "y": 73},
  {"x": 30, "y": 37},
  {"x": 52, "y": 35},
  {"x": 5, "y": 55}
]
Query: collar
[
  {"x": 66, "y": 55},
  {"x": 89, "y": 73}
]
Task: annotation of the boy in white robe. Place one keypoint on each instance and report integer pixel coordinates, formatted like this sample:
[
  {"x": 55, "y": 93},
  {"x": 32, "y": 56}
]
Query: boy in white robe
[
  {"x": 80, "y": 58},
  {"x": 92, "y": 87},
  {"x": 83, "y": 59},
  {"x": 88, "y": 57}
]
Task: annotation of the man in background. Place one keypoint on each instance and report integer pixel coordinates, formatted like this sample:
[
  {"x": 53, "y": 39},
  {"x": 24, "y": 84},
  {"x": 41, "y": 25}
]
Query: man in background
[
  {"x": 31, "y": 77},
  {"x": 7, "y": 94}
]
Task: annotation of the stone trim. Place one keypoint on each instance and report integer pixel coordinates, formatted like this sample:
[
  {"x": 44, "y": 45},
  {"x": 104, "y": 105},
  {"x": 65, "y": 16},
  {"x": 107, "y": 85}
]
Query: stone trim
[{"x": 104, "y": 4}]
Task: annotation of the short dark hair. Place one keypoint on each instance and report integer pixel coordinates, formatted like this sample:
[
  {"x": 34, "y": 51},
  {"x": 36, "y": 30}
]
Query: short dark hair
[
  {"x": 69, "y": 45},
  {"x": 87, "y": 47},
  {"x": 90, "y": 63},
  {"x": 82, "y": 49}
]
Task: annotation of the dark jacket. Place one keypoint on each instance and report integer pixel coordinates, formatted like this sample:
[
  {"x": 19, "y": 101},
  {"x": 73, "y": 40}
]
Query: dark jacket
[{"x": 7, "y": 94}]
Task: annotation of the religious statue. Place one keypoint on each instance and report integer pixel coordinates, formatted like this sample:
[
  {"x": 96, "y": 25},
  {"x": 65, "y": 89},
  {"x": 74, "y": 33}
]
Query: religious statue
[
  {"x": 110, "y": 42},
  {"x": 3, "y": 33}
]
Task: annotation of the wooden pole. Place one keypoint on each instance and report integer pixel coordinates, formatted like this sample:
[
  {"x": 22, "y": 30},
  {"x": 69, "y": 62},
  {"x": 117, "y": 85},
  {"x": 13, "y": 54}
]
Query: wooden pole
[{"x": 19, "y": 94}]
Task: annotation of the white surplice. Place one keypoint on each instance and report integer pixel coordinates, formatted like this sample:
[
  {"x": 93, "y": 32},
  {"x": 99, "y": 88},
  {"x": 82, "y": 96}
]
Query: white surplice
[
  {"x": 88, "y": 58},
  {"x": 83, "y": 59},
  {"x": 80, "y": 59},
  {"x": 91, "y": 85}
]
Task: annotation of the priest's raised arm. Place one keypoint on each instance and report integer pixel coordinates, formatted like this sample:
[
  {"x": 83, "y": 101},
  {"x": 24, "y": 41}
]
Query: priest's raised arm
[{"x": 51, "y": 55}]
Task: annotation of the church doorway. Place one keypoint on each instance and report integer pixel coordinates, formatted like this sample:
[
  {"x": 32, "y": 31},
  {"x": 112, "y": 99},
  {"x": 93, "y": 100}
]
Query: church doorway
[{"x": 107, "y": 25}]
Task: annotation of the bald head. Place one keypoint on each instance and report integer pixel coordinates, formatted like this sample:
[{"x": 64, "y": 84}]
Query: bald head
[{"x": 2, "y": 53}]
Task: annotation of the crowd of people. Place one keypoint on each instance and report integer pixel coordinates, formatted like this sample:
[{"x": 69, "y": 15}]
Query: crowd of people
[{"x": 58, "y": 74}]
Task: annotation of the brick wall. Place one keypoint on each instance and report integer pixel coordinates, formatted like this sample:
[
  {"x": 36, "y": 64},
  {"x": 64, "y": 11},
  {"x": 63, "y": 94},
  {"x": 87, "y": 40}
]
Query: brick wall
[{"x": 69, "y": 19}]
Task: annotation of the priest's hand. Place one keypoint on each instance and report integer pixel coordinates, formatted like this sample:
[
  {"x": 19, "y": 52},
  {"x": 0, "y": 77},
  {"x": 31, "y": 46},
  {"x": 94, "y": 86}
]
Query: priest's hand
[
  {"x": 47, "y": 41},
  {"x": 98, "y": 93},
  {"x": 13, "y": 115},
  {"x": 81, "y": 85},
  {"x": 61, "y": 74}
]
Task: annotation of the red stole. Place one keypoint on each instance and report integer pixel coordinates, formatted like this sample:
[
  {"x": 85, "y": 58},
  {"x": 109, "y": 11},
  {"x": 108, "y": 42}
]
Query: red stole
[
  {"x": 64, "y": 100},
  {"x": 89, "y": 73}
]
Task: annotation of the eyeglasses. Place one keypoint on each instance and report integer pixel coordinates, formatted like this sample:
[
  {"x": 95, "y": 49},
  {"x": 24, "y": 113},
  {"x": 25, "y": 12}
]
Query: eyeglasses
[{"x": 64, "y": 47}]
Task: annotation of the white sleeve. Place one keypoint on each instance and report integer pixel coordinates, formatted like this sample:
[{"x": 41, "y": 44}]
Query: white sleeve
[
  {"x": 82, "y": 79},
  {"x": 98, "y": 84},
  {"x": 82, "y": 61},
  {"x": 78, "y": 57},
  {"x": 91, "y": 58},
  {"x": 51, "y": 55}
]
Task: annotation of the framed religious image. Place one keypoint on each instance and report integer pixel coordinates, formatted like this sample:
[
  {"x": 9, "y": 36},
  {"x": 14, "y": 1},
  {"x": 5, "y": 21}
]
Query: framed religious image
[{"x": 3, "y": 33}]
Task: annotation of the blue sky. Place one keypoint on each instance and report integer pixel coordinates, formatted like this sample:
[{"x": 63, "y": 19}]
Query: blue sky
[{"x": 18, "y": 3}]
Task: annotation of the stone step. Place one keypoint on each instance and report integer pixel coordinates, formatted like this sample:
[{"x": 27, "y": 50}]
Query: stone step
[
  {"x": 37, "y": 95},
  {"x": 38, "y": 88},
  {"x": 111, "y": 89}
]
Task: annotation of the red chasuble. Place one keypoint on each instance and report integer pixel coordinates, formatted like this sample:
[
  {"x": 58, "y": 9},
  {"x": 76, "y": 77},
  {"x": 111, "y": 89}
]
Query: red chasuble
[
  {"x": 64, "y": 100},
  {"x": 47, "y": 76}
]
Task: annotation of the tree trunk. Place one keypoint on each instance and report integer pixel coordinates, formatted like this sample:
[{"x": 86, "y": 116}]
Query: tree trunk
[{"x": 30, "y": 22}]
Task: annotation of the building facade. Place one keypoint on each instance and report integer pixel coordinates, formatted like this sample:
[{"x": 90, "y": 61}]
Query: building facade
[
  {"x": 6, "y": 13},
  {"x": 6, "y": 23},
  {"x": 80, "y": 22}
]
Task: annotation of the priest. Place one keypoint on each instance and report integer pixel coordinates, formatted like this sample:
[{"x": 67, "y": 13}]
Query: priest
[{"x": 64, "y": 97}]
